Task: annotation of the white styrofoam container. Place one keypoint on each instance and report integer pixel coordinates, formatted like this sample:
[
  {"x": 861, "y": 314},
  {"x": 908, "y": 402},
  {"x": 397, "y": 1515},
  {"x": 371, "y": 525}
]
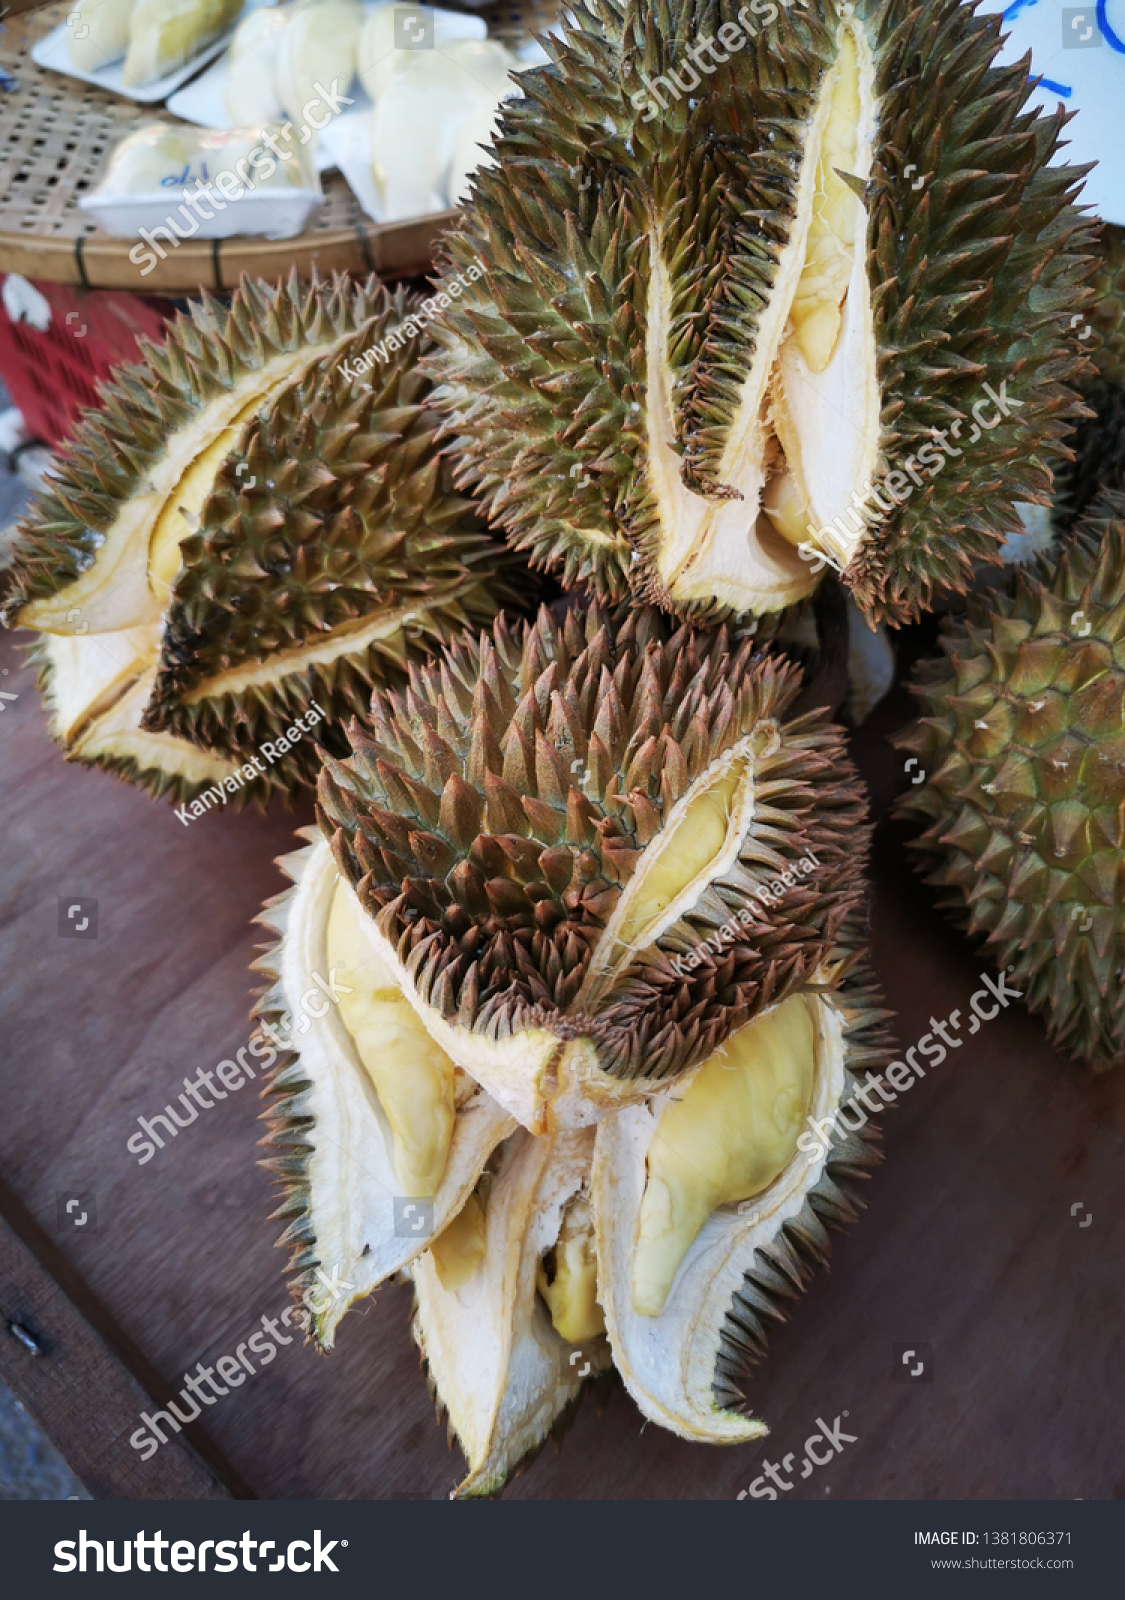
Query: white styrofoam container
[
  {"x": 267, "y": 213},
  {"x": 53, "y": 51}
]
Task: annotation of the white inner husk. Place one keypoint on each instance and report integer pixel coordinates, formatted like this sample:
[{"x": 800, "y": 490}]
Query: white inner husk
[{"x": 817, "y": 431}]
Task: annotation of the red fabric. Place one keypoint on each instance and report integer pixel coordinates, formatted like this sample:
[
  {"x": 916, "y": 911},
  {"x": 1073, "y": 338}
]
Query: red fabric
[{"x": 52, "y": 376}]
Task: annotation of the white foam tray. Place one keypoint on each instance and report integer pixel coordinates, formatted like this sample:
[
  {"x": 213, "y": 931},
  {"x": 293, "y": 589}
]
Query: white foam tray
[
  {"x": 265, "y": 213},
  {"x": 53, "y": 51}
]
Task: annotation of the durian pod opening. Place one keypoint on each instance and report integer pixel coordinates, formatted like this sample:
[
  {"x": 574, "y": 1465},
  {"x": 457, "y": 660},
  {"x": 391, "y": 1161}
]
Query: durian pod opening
[
  {"x": 807, "y": 300},
  {"x": 594, "y": 891},
  {"x": 246, "y": 536},
  {"x": 1022, "y": 740}
]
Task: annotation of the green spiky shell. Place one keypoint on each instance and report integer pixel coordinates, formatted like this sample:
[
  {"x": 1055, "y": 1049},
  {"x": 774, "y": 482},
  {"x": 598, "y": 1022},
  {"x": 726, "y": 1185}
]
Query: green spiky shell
[
  {"x": 332, "y": 513},
  {"x": 1108, "y": 311},
  {"x": 335, "y": 508},
  {"x": 1023, "y": 743},
  {"x": 491, "y": 816},
  {"x": 1099, "y": 440},
  {"x": 974, "y": 280},
  {"x": 204, "y": 353}
]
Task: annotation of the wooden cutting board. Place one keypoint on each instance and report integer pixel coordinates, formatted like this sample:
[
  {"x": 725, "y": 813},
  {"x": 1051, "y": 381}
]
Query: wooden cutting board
[{"x": 975, "y": 1247}]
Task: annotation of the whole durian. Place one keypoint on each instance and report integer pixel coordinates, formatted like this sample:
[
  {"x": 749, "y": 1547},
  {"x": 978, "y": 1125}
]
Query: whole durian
[
  {"x": 1023, "y": 745},
  {"x": 246, "y": 530},
  {"x": 1099, "y": 441},
  {"x": 720, "y": 319},
  {"x": 1107, "y": 314},
  {"x": 588, "y": 895}
]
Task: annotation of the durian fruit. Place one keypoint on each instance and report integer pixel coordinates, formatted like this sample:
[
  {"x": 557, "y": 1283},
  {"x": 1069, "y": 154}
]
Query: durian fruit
[
  {"x": 163, "y": 34},
  {"x": 448, "y": 101},
  {"x": 380, "y": 55},
  {"x": 256, "y": 526},
  {"x": 733, "y": 310},
  {"x": 589, "y": 895},
  {"x": 250, "y": 91},
  {"x": 317, "y": 52},
  {"x": 1022, "y": 740},
  {"x": 97, "y": 32},
  {"x": 1099, "y": 441},
  {"x": 1107, "y": 314}
]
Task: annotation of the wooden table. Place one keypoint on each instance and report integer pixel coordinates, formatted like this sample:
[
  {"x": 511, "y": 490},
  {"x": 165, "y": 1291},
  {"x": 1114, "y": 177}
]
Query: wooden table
[{"x": 969, "y": 1244}]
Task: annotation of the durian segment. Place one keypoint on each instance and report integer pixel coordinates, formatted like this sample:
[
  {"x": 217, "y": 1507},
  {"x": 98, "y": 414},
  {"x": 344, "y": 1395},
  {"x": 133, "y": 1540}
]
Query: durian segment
[
  {"x": 500, "y": 1368},
  {"x": 249, "y": 91},
  {"x": 830, "y": 246},
  {"x": 540, "y": 1081},
  {"x": 714, "y": 549},
  {"x": 89, "y": 672},
  {"x": 567, "y": 1276},
  {"x": 163, "y": 34},
  {"x": 345, "y": 1202},
  {"x": 113, "y": 589},
  {"x": 729, "y": 1136},
  {"x": 812, "y": 381},
  {"x": 380, "y": 56},
  {"x": 669, "y": 1361},
  {"x": 698, "y": 844},
  {"x": 317, "y": 51},
  {"x": 98, "y": 686},
  {"x": 97, "y": 32},
  {"x": 413, "y": 1077},
  {"x": 458, "y": 1250}
]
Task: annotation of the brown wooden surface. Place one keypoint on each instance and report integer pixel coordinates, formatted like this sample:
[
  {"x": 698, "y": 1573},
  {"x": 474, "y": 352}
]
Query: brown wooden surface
[
  {"x": 76, "y": 1384},
  {"x": 968, "y": 1244}
]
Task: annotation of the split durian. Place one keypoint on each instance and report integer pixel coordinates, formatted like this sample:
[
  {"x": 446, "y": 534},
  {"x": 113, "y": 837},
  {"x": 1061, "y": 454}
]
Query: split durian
[
  {"x": 590, "y": 892},
  {"x": 255, "y": 526},
  {"x": 163, "y": 34},
  {"x": 734, "y": 304},
  {"x": 1022, "y": 742}
]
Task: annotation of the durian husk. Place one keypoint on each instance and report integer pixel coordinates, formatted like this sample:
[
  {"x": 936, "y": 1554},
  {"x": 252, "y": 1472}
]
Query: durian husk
[
  {"x": 1022, "y": 740},
  {"x": 619, "y": 723},
  {"x": 277, "y": 518},
  {"x": 523, "y": 780},
  {"x": 599, "y": 372}
]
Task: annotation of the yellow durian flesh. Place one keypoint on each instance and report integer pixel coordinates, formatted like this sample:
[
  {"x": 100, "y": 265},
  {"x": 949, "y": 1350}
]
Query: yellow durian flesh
[
  {"x": 829, "y": 251},
  {"x": 412, "y": 1076},
  {"x": 695, "y": 848},
  {"x": 729, "y": 1137},
  {"x": 567, "y": 1277},
  {"x": 163, "y": 34},
  {"x": 685, "y": 855},
  {"x": 459, "y": 1249}
]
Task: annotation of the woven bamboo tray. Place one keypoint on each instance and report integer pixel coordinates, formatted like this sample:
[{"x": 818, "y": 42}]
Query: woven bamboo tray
[{"x": 56, "y": 134}]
